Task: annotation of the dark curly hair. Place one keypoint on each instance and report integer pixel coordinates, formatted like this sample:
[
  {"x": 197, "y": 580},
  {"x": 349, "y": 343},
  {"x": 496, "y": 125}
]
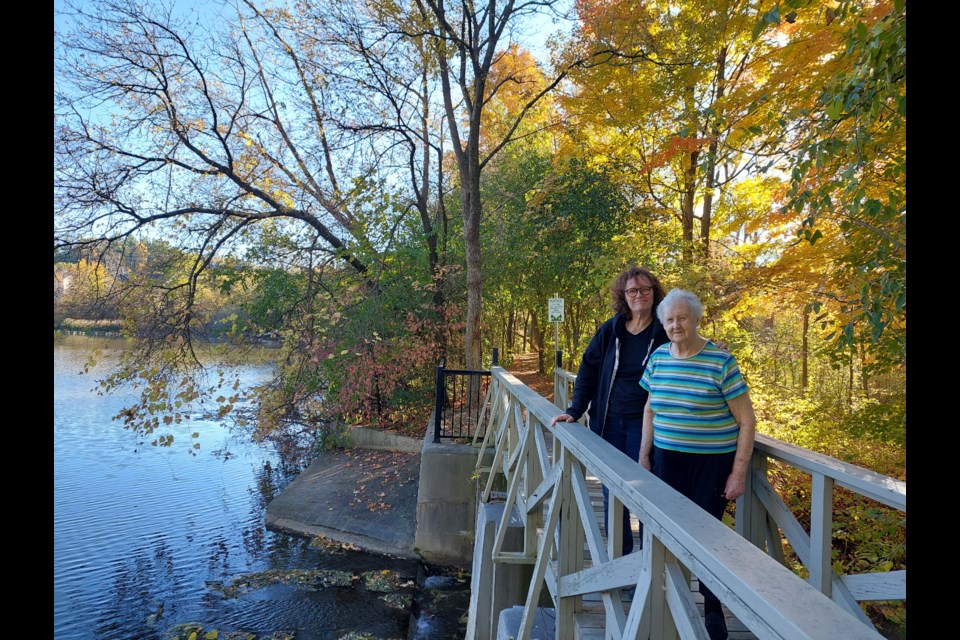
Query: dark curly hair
[{"x": 619, "y": 285}]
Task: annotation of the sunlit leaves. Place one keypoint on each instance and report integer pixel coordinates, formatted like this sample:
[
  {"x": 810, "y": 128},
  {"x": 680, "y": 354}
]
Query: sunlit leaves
[
  {"x": 515, "y": 79},
  {"x": 848, "y": 172}
]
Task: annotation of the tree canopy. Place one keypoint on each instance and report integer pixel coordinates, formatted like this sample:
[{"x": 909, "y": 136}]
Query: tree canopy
[{"x": 376, "y": 184}]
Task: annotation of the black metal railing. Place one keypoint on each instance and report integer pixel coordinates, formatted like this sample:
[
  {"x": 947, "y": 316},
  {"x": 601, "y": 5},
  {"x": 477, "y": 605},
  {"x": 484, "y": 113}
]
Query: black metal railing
[{"x": 460, "y": 396}]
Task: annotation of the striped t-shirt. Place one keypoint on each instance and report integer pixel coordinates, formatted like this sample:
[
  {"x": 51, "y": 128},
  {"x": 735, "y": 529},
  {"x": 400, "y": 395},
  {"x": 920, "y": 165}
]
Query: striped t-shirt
[{"x": 689, "y": 399}]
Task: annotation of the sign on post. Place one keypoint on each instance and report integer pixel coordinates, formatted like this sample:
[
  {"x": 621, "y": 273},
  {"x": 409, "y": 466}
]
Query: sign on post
[
  {"x": 555, "y": 310},
  {"x": 555, "y": 315}
]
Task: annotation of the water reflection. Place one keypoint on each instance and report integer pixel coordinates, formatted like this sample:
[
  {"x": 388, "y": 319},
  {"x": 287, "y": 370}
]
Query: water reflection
[
  {"x": 140, "y": 531},
  {"x": 143, "y": 534},
  {"x": 261, "y": 493},
  {"x": 135, "y": 580}
]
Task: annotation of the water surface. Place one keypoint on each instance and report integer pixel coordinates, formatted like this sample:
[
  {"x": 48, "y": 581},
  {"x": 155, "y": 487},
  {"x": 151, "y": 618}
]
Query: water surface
[{"x": 144, "y": 535}]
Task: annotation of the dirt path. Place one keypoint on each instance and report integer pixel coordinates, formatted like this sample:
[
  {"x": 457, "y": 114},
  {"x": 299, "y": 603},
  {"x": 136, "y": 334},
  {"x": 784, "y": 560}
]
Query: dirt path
[{"x": 524, "y": 367}]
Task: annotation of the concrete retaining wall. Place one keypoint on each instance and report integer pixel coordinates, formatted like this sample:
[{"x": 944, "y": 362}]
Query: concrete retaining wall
[
  {"x": 367, "y": 438},
  {"x": 447, "y": 502}
]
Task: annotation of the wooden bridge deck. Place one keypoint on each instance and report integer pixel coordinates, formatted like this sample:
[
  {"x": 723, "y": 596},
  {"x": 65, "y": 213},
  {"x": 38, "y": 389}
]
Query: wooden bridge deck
[{"x": 590, "y": 621}]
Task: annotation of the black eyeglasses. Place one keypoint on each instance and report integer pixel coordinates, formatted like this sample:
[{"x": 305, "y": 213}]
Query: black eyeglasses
[{"x": 642, "y": 291}]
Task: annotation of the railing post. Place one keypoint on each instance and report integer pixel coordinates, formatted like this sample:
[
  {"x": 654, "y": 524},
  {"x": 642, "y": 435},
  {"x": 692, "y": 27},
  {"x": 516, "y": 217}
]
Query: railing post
[
  {"x": 821, "y": 533},
  {"x": 438, "y": 403},
  {"x": 559, "y": 390},
  {"x": 570, "y": 546},
  {"x": 750, "y": 515},
  {"x": 455, "y": 405}
]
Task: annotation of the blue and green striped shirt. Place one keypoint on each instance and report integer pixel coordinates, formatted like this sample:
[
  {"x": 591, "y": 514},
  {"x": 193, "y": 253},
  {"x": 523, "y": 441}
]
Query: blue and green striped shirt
[{"x": 689, "y": 399}]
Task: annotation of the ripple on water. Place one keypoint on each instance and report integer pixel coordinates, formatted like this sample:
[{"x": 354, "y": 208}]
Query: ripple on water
[{"x": 141, "y": 533}]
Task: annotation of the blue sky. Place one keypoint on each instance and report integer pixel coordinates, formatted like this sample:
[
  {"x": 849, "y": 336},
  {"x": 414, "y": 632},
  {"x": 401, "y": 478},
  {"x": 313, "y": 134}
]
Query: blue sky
[{"x": 533, "y": 34}]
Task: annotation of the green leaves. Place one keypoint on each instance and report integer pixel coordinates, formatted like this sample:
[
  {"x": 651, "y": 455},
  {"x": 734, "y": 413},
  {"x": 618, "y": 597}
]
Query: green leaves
[
  {"x": 835, "y": 108},
  {"x": 847, "y": 178},
  {"x": 809, "y": 235},
  {"x": 771, "y": 17}
]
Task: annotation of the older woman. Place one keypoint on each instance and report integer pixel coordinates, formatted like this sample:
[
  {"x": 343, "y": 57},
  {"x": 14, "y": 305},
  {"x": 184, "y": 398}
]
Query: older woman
[
  {"x": 611, "y": 368},
  {"x": 698, "y": 423}
]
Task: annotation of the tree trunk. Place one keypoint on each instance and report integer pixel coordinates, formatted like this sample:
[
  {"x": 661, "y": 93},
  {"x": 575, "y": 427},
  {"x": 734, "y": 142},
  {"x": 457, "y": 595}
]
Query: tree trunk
[
  {"x": 524, "y": 331},
  {"x": 805, "y": 351},
  {"x": 863, "y": 371},
  {"x": 850, "y": 381},
  {"x": 470, "y": 199},
  {"x": 769, "y": 334},
  {"x": 712, "y": 157},
  {"x": 537, "y": 338},
  {"x": 686, "y": 205},
  {"x": 576, "y": 326},
  {"x": 689, "y": 178},
  {"x": 466, "y": 51}
]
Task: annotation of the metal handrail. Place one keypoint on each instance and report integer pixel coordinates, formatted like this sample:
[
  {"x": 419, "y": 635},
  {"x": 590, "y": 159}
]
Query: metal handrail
[{"x": 464, "y": 405}]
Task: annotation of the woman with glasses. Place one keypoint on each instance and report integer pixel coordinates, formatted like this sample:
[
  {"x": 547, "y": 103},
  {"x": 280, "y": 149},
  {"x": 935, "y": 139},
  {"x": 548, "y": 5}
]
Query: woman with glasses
[{"x": 608, "y": 380}]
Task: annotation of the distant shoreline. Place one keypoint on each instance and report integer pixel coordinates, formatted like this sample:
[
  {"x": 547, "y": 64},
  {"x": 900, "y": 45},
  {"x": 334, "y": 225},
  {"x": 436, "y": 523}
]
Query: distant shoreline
[
  {"x": 112, "y": 330},
  {"x": 79, "y": 325}
]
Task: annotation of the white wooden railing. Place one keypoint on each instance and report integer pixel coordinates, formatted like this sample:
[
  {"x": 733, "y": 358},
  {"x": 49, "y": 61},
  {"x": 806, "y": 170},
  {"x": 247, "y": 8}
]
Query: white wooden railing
[
  {"x": 545, "y": 470},
  {"x": 765, "y": 519}
]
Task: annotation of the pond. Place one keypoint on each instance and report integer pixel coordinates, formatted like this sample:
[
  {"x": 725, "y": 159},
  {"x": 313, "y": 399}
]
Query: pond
[{"x": 148, "y": 538}]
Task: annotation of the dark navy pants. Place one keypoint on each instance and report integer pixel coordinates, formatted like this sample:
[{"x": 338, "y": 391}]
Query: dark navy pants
[
  {"x": 701, "y": 477},
  {"x": 624, "y": 434}
]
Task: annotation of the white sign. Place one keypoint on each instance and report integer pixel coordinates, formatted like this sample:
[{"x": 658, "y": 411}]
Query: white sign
[{"x": 555, "y": 310}]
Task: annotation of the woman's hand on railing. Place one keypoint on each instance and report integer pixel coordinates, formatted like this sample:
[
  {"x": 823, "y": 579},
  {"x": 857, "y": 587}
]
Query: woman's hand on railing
[{"x": 563, "y": 417}]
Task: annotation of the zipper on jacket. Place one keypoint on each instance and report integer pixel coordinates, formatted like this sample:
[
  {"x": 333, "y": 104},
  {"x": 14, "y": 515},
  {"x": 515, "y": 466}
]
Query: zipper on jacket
[
  {"x": 613, "y": 376},
  {"x": 616, "y": 365}
]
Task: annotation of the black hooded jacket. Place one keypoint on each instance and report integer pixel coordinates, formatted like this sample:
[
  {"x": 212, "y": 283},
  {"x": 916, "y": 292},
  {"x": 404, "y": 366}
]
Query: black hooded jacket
[{"x": 598, "y": 369}]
